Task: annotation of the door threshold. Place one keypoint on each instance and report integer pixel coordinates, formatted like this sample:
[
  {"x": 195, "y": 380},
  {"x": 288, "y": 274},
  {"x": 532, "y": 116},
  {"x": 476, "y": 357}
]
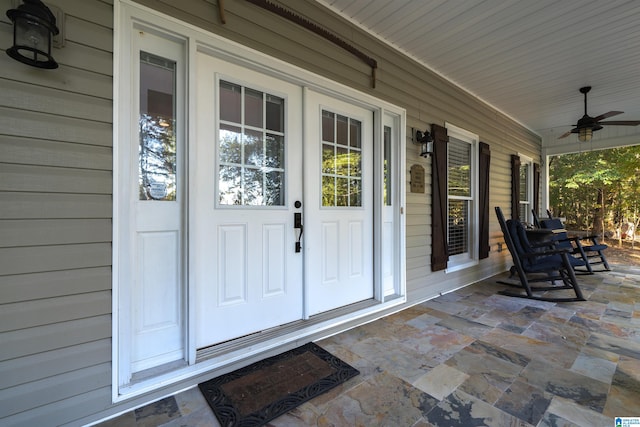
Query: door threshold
[
  {"x": 256, "y": 338},
  {"x": 140, "y": 376}
]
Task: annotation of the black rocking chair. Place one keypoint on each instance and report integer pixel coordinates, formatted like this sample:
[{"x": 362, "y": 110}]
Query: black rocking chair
[
  {"x": 591, "y": 254},
  {"x": 539, "y": 263}
]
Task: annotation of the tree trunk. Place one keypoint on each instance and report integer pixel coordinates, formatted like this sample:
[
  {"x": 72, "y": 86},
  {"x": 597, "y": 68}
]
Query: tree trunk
[{"x": 598, "y": 214}]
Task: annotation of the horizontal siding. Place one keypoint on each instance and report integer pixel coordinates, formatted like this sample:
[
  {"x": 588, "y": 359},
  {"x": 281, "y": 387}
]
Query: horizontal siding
[
  {"x": 51, "y": 284},
  {"x": 63, "y": 411},
  {"x": 55, "y": 223},
  {"x": 33, "y": 124},
  {"x": 14, "y": 205},
  {"x": 33, "y": 259},
  {"x": 26, "y": 151},
  {"x": 46, "y": 338},
  {"x": 15, "y": 233},
  {"x": 25, "y": 96},
  {"x": 59, "y": 387},
  {"x": 28, "y": 314},
  {"x": 55, "y": 362},
  {"x": 55, "y": 180}
]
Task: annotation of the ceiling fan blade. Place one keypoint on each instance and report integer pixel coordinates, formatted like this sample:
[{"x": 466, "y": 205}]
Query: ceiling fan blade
[
  {"x": 622, "y": 123},
  {"x": 564, "y": 135},
  {"x": 607, "y": 115}
]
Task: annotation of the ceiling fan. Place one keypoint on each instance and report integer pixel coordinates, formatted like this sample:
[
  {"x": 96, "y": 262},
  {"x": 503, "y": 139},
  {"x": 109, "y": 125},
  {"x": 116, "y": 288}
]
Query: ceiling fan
[{"x": 587, "y": 124}]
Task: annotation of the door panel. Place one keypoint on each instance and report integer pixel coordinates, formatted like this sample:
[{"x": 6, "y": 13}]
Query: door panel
[
  {"x": 156, "y": 186},
  {"x": 246, "y": 179},
  {"x": 339, "y": 203}
]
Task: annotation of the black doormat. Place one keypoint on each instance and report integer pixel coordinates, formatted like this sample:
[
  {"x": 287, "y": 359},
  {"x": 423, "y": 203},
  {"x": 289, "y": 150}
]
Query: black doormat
[{"x": 258, "y": 393}]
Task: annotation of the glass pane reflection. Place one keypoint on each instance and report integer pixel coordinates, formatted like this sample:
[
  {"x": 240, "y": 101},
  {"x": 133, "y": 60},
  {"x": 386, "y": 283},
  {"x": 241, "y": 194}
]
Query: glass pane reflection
[{"x": 157, "y": 129}]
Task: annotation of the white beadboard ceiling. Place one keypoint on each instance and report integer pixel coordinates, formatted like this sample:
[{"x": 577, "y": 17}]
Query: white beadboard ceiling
[{"x": 527, "y": 58}]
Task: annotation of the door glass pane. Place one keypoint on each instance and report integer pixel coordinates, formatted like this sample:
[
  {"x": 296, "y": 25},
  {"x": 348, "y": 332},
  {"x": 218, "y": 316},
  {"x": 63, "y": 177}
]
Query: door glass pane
[
  {"x": 230, "y": 102},
  {"x": 253, "y": 108},
  {"x": 230, "y": 147},
  {"x": 275, "y": 113},
  {"x": 251, "y": 160},
  {"x": 253, "y": 147},
  {"x": 341, "y": 161},
  {"x": 387, "y": 166},
  {"x": 274, "y": 157},
  {"x": 157, "y": 124}
]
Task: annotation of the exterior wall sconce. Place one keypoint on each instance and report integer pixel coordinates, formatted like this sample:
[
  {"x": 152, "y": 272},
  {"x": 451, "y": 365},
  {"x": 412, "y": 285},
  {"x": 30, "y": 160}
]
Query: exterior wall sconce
[
  {"x": 425, "y": 140},
  {"x": 34, "y": 26}
]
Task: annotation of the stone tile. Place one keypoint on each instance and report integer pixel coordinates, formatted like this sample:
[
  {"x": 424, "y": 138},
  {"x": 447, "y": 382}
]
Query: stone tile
[
  {"x": 436, "y": 342},
  {"x": 384, "y": 400},
  {"x": 440, "y": 381},
  {"x": 125, "y": 420},
  {"x": 504, "y": 303},
  {"x": 395, "y": 357},
  {"x": 583, "y": 390},
  {"x": 524, "y": 401},
  {"x": 465, "y": 326},
  {"x": 564, "y": 412},
  {"x": 617, "y": 345},
  {"x": 624, "y": 396},
  {"x": 594, "y": 367},
  {"x": 191, "y": 400},
  {"x": 157, "y": 413},
  {"x": 495, "y": 317},
  {"x": 553, "y": 354},
  {"x": 552, "y": 420},
  {"x": 203, "y": 417},
  {"x": 449, "y": 307},
  {"x": 558, "y": 333},
  {"x": 423, "y": 321},
  {"x": 406, "y": 315},
  {"x": 490, "y": 370},
  {"x": 462, "y": 410},
  {"x": 489, "y": 349}
]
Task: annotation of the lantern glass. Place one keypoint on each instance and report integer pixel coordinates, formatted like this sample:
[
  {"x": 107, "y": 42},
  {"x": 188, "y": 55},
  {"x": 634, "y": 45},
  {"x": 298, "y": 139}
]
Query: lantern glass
[
  {"x": 585, "y": 134},
  {"x": 32, "y": 34}
]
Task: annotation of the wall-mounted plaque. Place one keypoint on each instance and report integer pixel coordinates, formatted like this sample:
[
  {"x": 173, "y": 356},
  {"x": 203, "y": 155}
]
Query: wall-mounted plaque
[{"x": 417, "y": 179}]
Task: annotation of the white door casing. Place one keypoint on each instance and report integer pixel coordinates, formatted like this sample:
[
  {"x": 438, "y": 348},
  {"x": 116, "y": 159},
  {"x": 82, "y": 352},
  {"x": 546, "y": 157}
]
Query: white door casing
[{"x": 247, "y": 274}]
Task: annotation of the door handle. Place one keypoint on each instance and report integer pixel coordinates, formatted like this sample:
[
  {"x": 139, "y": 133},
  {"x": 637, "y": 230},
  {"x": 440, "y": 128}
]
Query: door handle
[{"x": 297, "y": 224}]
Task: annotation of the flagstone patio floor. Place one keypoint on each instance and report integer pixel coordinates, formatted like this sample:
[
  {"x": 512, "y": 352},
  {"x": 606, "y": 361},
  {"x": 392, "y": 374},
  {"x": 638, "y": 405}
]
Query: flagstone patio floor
[{"x": 472, "y": 358}]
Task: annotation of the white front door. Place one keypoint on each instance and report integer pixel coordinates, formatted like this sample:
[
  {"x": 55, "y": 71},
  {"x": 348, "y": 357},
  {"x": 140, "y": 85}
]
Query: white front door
[
  {"x": 246, "y": 187},
  {"x": 339, "y": 203}
]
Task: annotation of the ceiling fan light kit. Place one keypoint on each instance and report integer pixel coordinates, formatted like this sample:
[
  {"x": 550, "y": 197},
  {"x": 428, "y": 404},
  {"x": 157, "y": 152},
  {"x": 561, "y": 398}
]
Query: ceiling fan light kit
[{"x": 587, "y": 124}]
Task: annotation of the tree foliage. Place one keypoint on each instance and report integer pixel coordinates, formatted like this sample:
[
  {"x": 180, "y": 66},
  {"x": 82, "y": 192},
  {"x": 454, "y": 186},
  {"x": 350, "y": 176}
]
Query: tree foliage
[{"x": 596, "y": 190}]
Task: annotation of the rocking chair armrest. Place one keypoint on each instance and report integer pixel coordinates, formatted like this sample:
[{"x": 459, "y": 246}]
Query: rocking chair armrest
[
  {"x": 568, "y": 239},
  {"x": 546, "y": 253},
  {"x": 543, "y": 244}
]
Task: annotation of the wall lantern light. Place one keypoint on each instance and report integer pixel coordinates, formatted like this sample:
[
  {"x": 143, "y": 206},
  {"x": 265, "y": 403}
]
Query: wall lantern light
[
  {"x": 33, "y": 29},
  {"x": 425, "y": 140}
]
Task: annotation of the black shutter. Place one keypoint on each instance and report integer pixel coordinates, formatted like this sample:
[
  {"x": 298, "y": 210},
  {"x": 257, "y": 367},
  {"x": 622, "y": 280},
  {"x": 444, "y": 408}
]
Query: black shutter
[
  {"x": 536, "y": 188},
  {"x": 483, "y": 202},
  {"x": 515, "y": 187},
  {"x": 439, "y": 250}
]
